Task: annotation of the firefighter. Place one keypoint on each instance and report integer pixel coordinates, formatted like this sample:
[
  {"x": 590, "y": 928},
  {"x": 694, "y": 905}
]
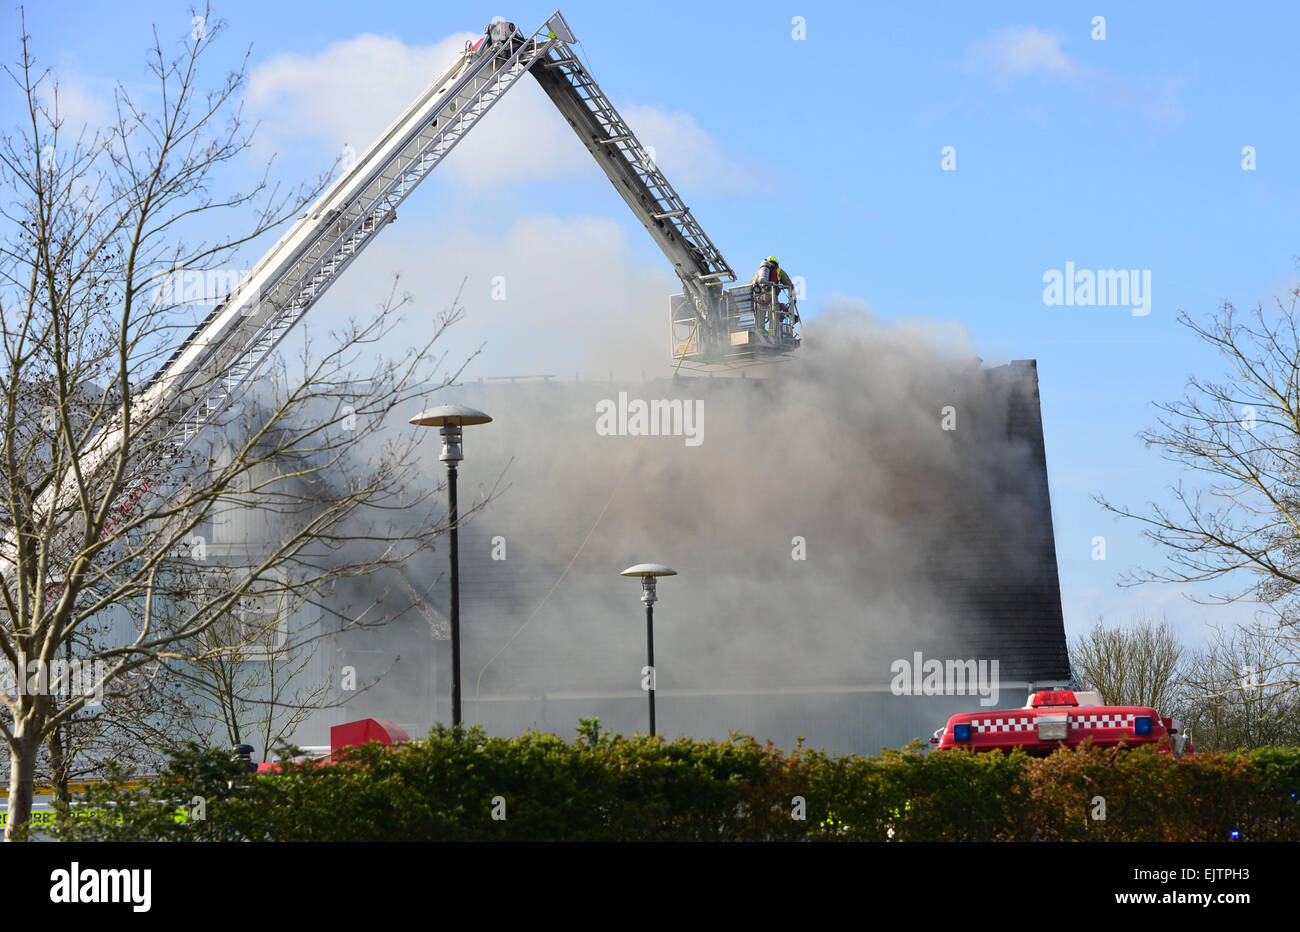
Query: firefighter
[
  {"x": 243, "y": 755},
  {"x": 769, "y": 279}
]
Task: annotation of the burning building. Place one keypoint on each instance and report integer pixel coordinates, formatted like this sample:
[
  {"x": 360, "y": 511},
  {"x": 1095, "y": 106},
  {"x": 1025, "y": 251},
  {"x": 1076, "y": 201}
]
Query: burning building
[{"x": 863, "y": 540}]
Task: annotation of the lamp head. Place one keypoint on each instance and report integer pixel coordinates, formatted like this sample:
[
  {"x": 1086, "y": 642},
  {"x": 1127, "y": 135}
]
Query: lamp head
[
  {"x": 450, "y": 416},
  {"x": 649, "y": 573},
  {"x": 450, "y": 419}
]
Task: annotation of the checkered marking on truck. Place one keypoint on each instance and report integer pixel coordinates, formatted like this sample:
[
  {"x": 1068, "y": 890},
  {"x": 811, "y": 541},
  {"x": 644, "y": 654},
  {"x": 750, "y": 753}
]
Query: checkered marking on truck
[
  {"x": 995, "y": 725},
  {"x": 1101, "y": 721},
  {"x": 1003, "y": 724}
]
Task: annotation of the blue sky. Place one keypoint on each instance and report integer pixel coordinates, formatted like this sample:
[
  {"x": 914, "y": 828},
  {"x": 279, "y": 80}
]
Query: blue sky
[{"x": 1121, "y": 153}]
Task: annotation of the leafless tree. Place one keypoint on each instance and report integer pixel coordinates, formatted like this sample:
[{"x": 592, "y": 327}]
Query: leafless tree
[
  {"x": 1230, "y": 701},
  {"x": 90, "y": 520},
  {"x": 1236, "y": 519},
  {"x": 1137, "y": 665},
  {"x": 247, "y": 677}
]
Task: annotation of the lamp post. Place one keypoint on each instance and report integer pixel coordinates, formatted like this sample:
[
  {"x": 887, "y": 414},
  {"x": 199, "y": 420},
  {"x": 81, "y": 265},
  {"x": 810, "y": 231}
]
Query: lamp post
[
  {"x": 649, "y": 573},
  {"x": 451, "y": 418}
]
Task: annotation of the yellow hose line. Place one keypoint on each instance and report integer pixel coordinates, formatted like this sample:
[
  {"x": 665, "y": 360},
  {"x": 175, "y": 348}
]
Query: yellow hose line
[
  {"x": 682, "y": 358},
  {"x": 551, "y": 592},
  {"x": 581, "y": 547}
]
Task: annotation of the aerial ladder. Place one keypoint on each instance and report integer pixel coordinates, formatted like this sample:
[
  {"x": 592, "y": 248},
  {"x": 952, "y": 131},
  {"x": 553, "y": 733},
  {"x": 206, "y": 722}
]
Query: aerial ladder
[{"x": 710, "y": 323}]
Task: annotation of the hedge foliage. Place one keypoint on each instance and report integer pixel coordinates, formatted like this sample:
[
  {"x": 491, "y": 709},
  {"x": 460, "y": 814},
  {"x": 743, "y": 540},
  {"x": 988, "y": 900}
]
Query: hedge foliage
[{"x": 461, "y": 785}]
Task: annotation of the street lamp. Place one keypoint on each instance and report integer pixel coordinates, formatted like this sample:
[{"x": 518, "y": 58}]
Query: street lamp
[
  {"x": 649, "y": 572},
  {"x": 451, "y": 418}
]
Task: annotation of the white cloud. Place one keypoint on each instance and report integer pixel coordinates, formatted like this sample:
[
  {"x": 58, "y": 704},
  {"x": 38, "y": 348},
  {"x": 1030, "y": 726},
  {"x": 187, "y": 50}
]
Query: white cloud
[
  {"x": 81, "y": 101},
  {"x": 350, "y": 89},
  {"x": 349, "y": 92},
  {"x": 578, "y": 296},
  {"x": 1025, "y": 50},
  {"x": 687, "y": 154},
  {"x": 79, "y": 106}
]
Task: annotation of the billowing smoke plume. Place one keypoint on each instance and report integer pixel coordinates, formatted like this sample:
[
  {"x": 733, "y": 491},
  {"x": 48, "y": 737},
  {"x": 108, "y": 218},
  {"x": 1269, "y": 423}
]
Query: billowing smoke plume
[{"x": 866, "y": 500}]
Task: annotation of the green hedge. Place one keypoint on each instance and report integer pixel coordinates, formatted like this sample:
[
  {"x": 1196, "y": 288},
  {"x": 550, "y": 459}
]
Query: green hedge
[{"x": 607, "y": 787}]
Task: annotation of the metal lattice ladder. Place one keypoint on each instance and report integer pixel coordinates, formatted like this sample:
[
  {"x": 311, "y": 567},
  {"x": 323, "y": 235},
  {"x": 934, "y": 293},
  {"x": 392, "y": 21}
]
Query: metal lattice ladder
[{"x": 620, "y": 136}]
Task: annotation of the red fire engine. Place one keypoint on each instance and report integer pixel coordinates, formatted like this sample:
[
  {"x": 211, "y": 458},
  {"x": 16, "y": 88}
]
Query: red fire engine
[{"x": 1057, "y": 718}]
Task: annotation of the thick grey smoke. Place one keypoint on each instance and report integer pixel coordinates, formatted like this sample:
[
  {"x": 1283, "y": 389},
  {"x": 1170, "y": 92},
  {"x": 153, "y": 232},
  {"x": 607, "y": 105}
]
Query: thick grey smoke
[{"x": 839, "y": 456}]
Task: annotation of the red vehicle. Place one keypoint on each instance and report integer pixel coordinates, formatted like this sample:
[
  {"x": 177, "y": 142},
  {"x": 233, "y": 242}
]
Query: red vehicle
[
  {"x": 352, "y": 734},
  {"x": 1057, "y": 718}
]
